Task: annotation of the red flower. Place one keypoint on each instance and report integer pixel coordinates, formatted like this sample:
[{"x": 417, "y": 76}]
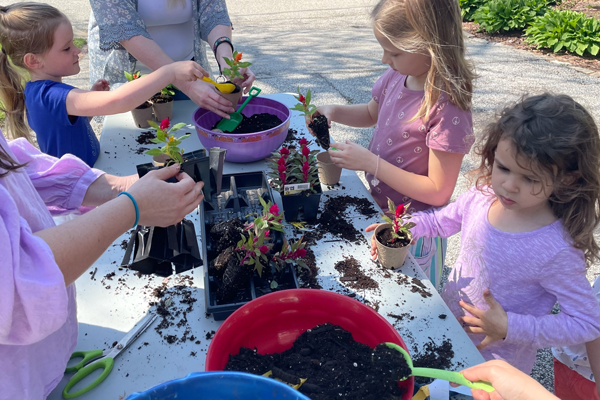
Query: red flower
[
  {"x": 282, "y": 177},
  {"x": 284, "y": 151},
  {"x": 302, "y": 99},
  {"x": 303, "y": 142},
  {"x": 264, "y": 249},
  {"x": 300, "y": 253},
  {"x": 164, "y": 125},
  {"x": 238, "y": 57},
  {"x": 274, "y": 209},
  {"x": 281, "y": 161},
  {"x": 305, "y": 151},
  {"x": 399, "y": 210},
  {"x": 281, "y": 168}
]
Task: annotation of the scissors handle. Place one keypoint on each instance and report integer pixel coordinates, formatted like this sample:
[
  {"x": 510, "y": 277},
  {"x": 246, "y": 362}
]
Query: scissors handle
[
  {"x": 87, "y": 357},
  {"x": 106, "y": 363}
]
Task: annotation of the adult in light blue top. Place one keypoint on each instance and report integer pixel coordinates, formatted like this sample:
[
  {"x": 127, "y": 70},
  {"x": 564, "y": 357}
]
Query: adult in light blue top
[{"x": 127, "y": 35}]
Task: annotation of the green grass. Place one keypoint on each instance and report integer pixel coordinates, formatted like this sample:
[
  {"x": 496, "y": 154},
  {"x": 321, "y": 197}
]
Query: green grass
[{"x": 79, "y": 42}]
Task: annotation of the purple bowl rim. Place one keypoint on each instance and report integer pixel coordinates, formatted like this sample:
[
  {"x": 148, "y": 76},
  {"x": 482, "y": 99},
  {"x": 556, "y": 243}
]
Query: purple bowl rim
[{"x": 243, "y": 134}]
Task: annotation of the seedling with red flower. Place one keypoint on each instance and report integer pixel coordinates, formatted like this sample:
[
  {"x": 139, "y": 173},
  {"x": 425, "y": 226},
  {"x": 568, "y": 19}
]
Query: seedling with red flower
[
  {"x": 254, "y": 250},
  {"x": 292, "y": 253},
  {"x": 317, "y": 124},
  {"x": 400, "y": 228},
  {"x": 171, "y": 147},
  {"x": 131, "y": 77},
  {"x": 269, "y": 220},
  {"x": 235, "y": 64}
]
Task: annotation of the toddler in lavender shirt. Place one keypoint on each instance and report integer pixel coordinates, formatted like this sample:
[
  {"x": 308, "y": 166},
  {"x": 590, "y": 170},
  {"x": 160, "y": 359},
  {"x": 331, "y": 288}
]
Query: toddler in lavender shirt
[{"x": 527, "y": 232}]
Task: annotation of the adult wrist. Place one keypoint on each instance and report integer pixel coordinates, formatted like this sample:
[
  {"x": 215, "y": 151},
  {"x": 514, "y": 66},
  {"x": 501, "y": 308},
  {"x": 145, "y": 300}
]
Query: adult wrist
[{"x": 135, "y": 206}]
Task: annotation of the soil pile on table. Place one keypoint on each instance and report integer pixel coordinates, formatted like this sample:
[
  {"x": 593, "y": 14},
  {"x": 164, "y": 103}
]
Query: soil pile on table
[
  {"x": 352, "y": 275},
  {"x": 291, "y": 139},
  {"x": 145, "y": 137},
  {"x": 255, "y": 123},
  {"x": 416, "y": 285},
  {"x": 334, "y": 220},
  {"x": 433, "y": 356},
  {"x": 332, "y": 362}
]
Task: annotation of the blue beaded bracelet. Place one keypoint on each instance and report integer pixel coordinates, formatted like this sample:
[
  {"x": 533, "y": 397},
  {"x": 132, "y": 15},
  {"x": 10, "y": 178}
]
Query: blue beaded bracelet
[{"x": 137, "y": 210}]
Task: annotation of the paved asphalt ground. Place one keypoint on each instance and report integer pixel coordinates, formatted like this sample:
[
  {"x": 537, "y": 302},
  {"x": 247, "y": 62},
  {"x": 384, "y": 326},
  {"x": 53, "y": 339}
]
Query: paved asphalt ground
[{"x": 329, "y": 47}]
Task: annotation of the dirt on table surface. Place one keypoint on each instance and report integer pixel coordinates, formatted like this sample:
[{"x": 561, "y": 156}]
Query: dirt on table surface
[
  {"x": 516, "y": 39},
  {"x": 353, "y": 276},
  {"x": 334, "y": 365},
  {"x": 335, "y": 219}
]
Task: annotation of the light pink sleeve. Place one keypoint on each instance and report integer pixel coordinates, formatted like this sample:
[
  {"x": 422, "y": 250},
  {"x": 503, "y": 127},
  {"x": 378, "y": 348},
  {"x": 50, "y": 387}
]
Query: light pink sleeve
[
  {"x": 33, "y": 296},
  {"x": 61, "y": 183},
  {"x": 444, "y": 222},
  {"x": 451, "y": 129},
  {"x": 579, "y": 317}
]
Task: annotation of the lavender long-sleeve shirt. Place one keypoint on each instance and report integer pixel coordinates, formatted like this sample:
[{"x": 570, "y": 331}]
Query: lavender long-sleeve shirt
[
  {"x": 527, "y": 273},
  {"x": 38, "y": 321}
]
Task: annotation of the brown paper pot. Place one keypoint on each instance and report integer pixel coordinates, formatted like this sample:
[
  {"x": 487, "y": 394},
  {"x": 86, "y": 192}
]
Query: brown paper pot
[
  {"x": 160, "y": 160},
  {"x": 234, "y": 97},
  {"x": 389, "y": 257},
  {"x": 163, "y": 110},
  {"x": 141, "y": 116},
  {"x": 329, "y": 173}
]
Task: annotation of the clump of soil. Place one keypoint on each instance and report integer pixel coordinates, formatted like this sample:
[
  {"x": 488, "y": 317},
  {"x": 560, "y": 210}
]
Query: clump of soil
[
  {"x": 334, "y": 364},
  {"x": 352, "y": 276},
  {"x": 290, "y": 139},
  {"x": 320, "y": 127},
  {"x": 416, "y": 285},
  {"x": 334, "y": 220},
  {"x": 309, "y": 276},
  {"x": 433, "y": 356},
  {"x": 160, "y": 99},
  {"x": 145, "y": 137},
  {"x": 385, "y": 237},
  {"x": 227, "y": 233},
  {"x": 255, "y": 123}
]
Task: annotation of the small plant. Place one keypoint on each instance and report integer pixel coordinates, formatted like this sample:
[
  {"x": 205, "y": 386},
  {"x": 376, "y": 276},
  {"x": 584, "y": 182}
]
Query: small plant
[
  {"x": 292, "y": 253},
  {"x": 235, "y": 64},
  {"x": 171, "y": 147},
  {"x": 254, "y": 250},
  {"x": 167, "y": 92},
  {"x": 293, "y": 166},
  {"x": 304, "y": 105},
  {"x": 508, "y": 15},
  {"x": 469, "y": 7},
  {"x": 566, "y": 30},
  {"x": 132, "y": 77},
  {"x": 400, "y": 229},
  {"x": 269, "y": 220}
]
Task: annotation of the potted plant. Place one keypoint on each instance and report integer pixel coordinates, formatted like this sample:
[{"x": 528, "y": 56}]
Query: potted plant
[
  {"x": 162, "y": 103},
  {"x": 394, "y": 237},
  {"x": 235, "y": 64},
  {"x": 329, "y": 173},
  {"x": 170, "y": 152},
  {"x": 294, "y": 175},
  {"x": 142, "y": 114}
]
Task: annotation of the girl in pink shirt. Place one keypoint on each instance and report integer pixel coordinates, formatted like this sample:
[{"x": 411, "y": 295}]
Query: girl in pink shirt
[
  {"x": 421, "y": 110},
  {"x": 526, "y": 232}
]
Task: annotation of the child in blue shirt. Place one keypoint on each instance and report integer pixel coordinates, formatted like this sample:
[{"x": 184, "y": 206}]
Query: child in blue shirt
[{"x": 39, "y": 38}]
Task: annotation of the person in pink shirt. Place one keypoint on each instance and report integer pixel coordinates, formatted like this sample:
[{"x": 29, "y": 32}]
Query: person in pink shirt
[
  {"x": 421, "y": 110},
  {"x": 527, "y": 232},
  {"x": 40, "y": 261}
]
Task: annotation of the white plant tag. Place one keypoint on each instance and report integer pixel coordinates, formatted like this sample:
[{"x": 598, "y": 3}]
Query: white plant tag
[{"x": 295, "y": 188}]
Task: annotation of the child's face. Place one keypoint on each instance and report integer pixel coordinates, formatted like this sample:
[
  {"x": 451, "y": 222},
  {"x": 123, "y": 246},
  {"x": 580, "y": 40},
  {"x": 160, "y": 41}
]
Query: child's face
[
  {"x": 518, "y": 189},
  {"x": 63, "y": 58},
  {"x": 410, "y": 64}
]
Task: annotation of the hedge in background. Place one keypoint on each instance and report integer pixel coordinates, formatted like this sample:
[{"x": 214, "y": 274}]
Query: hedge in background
[
  {"x": 469, "y": 7},
  {"x": 568, "y": 30},
  {"x": 508, "y": 15}
]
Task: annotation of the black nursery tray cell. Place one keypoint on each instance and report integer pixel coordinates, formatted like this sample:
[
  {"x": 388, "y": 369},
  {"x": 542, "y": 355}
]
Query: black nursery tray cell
[{"x": 239, "y": 198}]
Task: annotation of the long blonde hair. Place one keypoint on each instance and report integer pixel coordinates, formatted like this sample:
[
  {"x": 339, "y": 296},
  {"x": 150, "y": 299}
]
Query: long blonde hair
[
  {"x": 432, "y": 27},
  {"x": 24, "y": 28}
]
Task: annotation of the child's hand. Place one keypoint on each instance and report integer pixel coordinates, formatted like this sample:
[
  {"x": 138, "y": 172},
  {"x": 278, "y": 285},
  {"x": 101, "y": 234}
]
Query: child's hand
[
  {"x": 187, "y": 71},
  {"x": 101, "y": 85},
  {"x": 493, "y": 322},
  {"x": 323, "y": 110},
  {"x": 353, "y": 156},
  {"x": 370, "y": 228}
]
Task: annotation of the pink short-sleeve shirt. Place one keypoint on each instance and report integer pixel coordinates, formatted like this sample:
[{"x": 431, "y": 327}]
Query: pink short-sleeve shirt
[{"x": 406, "y": 144}]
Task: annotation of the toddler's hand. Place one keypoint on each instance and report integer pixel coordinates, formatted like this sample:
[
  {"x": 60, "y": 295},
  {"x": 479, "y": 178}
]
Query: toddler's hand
[
  {"x": 493, "y": 322},
  {"x": 101, "y": 85},
  {"x": 323, "y": 110},
  {"x": 187, "y": 71},
  {"x": 353, "y": 156},
  {"x": 370, "y": 228}
]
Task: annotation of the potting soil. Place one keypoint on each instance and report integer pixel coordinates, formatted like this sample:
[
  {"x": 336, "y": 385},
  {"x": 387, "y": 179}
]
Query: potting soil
[
  {"x": 255, "y": 123},
  {"x": 352, "y": 275},
  {"x": 334, "y": 220},
  {"x": 320, "y": 127},
  {"x": 385, "y": 237},
  {"x": 332, "y": 362}
]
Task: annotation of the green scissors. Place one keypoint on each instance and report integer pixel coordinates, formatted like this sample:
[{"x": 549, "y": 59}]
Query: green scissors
[{"x": 102, "y": 359}]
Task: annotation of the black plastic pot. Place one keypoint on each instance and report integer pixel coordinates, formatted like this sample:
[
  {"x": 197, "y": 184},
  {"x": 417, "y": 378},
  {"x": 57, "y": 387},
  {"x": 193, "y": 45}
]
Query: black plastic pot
[
  {"x": 239, "y": 198},
  {"x": 293, "y": 204}
]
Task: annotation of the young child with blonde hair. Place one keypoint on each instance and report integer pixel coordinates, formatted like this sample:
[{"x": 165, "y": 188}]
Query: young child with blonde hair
[
  {"x": 421, "y": 110},
  {"x": 39, "y": 39}
]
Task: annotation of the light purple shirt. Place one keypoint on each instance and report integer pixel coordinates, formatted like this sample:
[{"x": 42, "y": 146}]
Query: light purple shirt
[
  {"x": 527, "y": 273},
  {"x": 38, "y": 321},
  {"x": 406, "y": 144}
]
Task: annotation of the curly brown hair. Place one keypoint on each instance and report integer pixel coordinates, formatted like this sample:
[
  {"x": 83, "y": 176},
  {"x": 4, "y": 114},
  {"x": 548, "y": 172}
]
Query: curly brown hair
[{"x": 558, "y": 138}]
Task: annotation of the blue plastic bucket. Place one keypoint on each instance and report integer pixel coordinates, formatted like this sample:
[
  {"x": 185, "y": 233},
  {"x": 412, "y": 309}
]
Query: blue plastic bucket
[{"x": 220, "y": 386}]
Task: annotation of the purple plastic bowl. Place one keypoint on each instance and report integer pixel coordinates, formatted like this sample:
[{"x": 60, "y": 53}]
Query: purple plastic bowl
[{"x": 246, "y": 147}]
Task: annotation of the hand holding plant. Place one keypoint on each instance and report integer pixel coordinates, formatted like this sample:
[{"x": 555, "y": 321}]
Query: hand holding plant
[
  {"x": 235, "y": 65},
  {"x": 171, "y": 143}
]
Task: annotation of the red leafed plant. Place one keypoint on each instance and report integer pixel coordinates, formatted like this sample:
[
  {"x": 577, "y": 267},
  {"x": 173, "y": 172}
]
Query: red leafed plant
[
  {"x": 291, "y": 253},
  {"x": 400, "y": 228},
  {"x": 289, "y": 166}
]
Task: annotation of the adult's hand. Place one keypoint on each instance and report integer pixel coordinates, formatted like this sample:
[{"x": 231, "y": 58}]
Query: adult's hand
[
  {"x": 161, "y": 203},
  {"x": 247, "y": 80},
  {"x": 203, "y": 94},
  {"x": 509, "y": 382}
]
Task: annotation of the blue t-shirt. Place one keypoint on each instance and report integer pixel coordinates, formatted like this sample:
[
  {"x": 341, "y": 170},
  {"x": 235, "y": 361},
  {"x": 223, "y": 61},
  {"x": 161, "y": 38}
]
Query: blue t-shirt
[{"x": 57, "y": 132}]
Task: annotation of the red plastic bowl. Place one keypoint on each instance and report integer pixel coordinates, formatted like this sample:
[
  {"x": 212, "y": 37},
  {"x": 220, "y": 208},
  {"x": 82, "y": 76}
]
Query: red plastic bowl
[{"x": 272, "y": 322}]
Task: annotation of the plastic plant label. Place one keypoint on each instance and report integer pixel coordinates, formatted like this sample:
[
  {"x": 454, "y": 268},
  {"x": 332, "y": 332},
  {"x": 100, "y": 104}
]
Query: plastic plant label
[{"x": 295, "y": 188}]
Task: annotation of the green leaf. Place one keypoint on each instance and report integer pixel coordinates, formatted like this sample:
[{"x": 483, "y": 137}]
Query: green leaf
[
  {"x": 183, "y": 137},
  {"x": 154, "y": 152},
  {"x": 154, "y": 125},
  {"x": 308, "y": 97},
  {"x": 594, "y": 49},
  {"x": 156, "y": 140},
  {"x": 177, "y": 127}
]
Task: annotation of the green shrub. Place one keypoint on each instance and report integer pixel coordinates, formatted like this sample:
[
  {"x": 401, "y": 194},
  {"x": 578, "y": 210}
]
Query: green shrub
[
  {"x": 468, "y": 8},
  {"x": 568, "y": 30},
  {"x": 508, "y": 15}
]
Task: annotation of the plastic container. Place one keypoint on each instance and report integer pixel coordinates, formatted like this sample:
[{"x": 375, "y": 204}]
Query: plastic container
[
  {"x": 294, "y": 203},
  {"x": 271, "y": 324},
  {"x": 238, "y": 198},
  {"x": 246, "y": 147},
  {"x": 220, "y": 386}
]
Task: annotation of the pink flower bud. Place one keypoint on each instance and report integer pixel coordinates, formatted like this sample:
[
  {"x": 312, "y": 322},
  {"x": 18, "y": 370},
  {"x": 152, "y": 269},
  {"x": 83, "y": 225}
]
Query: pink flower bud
[
  {"x": 303, "y": 142},
  {"x": 274, "y": 209},
  {"x": 264, "y": 249},
  {"x": 284, "y": 151},
  {"x": 305, "y": 151},
  {"x": 164, "y": 125},
  {"x": 300, "y": 253},
  {"x": 281, "y": 168},
  {"x": 399, "y": 210}
]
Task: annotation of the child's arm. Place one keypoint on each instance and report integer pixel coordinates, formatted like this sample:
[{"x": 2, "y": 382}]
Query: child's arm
[
  {"x": 127, "y": 97},
  {"x": 593, "y": 352},
  {"x": 356, "y": 115}
]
